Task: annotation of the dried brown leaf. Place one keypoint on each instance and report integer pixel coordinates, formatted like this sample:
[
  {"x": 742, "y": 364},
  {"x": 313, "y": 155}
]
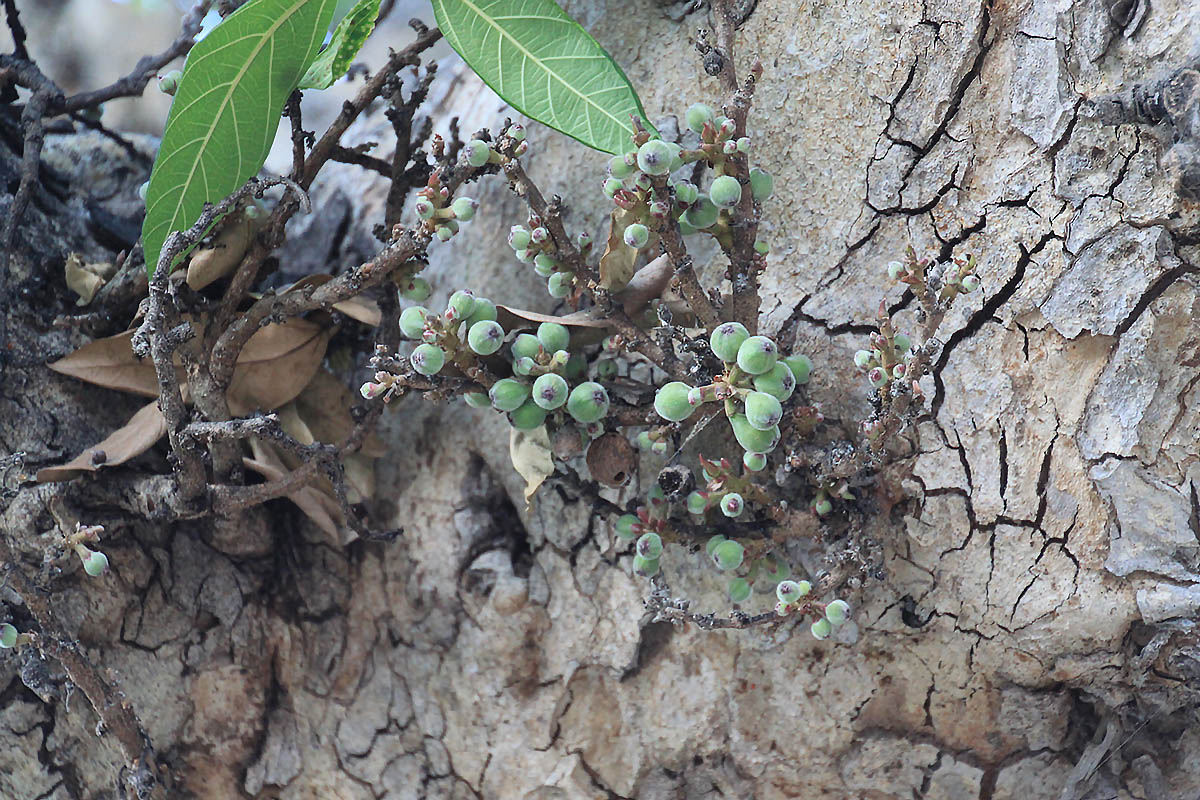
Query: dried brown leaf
[
  {"x": 324, "y": 405},
  {"x": 86, "y": 279},
  {"x": 358, "y": 308},
  {"x": 219, "y": 259},
  {"x": 110, "y": 363},
  {"x": 616, "y": 265},
  {"x": 137, "y": 436},
  {"x": 532, "y": 458},
  {"x": 317, "y": 505},
  {"x": 276, "y": 364}
]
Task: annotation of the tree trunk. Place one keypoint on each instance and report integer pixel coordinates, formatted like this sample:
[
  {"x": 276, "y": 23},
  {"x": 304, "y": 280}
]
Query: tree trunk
[{"x": 1038, "y": 536}]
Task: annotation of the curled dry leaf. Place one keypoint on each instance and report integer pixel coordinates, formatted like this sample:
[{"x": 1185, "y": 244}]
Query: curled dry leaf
[
  {"x": 610, "y": 459},
  {"x": 617, "y": 263},
  {"x": 361, "y": 309},
  {"x": 219, "y": 258},
  {"x": 318, "y": 506},
  {"x": 532, "y": 458},
  {"x": 137, "y": 436},
  {"x": 86, "y": 279}
]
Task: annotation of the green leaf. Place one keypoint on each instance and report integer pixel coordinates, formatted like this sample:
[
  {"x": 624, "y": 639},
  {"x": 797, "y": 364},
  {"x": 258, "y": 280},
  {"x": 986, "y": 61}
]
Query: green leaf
[
  {"x": 227, "y": 108},
  {"x": 545, "y": 65},
  {"x": 347, "y": 40}
]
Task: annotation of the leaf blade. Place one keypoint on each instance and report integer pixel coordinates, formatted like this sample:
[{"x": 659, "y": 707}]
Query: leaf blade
[
  {"x": 233, "y": 89},
  {"x": 333, "y": 62},
  {"x": 586, "y": 95}
]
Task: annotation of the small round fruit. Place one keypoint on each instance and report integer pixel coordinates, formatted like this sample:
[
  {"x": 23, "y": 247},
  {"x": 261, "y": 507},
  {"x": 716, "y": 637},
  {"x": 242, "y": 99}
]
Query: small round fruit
[
  {"x": 757, "y": 355},
  {"x": 702, "y": 215},
  {"x": 697, "y": 115},
  {"x": 645, "y": 567},
  {"x": 697, "y": 503},
  {"x": 424, "y": 208},
  {"x": 821, "y": 629},
  {"x": 8, "y": 636},
  {"x": 837, "y": 612},
  {"x": 671, "y": 401},
  {"x": 485, "y": 309},
  {"x": 553, "y": 336},
  {"x": 725, "y": 191},
  {"x": 559, "y": 284},
  {"x": 895, "y": 269},
  {"x": 649, "y": 545},
  {"x": 739, "y": 590},
  {"x": 863, "y": 358},
  {"x": 755, "y": 462},
  {"x": 762, "y": 185},
  {"x": 464, "y": 208},
  {"x": 732, "y": 505},
  {"x": 168, "y": 84},
  {"x": 618, "y": 167},
  {"x": 550, "y": 391},
  {"x": 526, "y": 345},
  {"x": 527, "y": 417},
  {"x": 477, "y": 152},
  {"x": 712, "y": 544},
  {"x": 763, "y": 410},
  {"x": 823, "y": 506},
  {"x": 779, "y": 382},
  {"x": 726, "y": 338},
  {"x": 416, "y": 289},
  {"x": 611, "y": 186},
  {"x": 752, "y": 439},
  {"x": 970, "y": 283},
  {"x": 588, "y": 402},
  {"x": 460, "y": 305},
  {"x": 686, "y": 192},
  {"x": 654, "y": 157},
  {"x": 903, "y": 343},
  {"x": 485, "y": 337},
  {"x": 801, "y": 367},
  {"x": 412, "y": 321},
  {"x": 788, "y": 592},
  {"x": 477, "y": 400},
  {"x": 95, "y": 563},
  {"x": 728, "y": 555},
  {"x": 637, "y": 235},
  {"x": 508, "y": 394},
  {"x": 606, "y": 369},
  {"x": 516, "y": 132},
  {"x": 518, "y": 237},
  {"x": 628, "y": 526},
  {"x": 427, "y": 359}
]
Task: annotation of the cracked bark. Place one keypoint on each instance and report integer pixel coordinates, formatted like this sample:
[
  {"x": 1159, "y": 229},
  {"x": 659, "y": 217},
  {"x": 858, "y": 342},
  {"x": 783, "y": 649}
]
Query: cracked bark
[{"x": 1041, "y": 573}]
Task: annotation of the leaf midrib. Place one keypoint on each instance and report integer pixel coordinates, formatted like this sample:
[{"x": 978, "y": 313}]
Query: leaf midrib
[
  {"x": 232, "y": 87},
  {"x": 587, "y": 99}
]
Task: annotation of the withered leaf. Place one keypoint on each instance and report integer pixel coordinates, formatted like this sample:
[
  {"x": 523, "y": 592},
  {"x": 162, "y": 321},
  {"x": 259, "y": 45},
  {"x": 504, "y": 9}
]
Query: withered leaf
[
  {"x": 531, "y": 457},
  {"x": 359, "y": 308},
  {"x": 137, "y": 436},
  {"x": 324, "y": 405},
  {"x": 207, "y": 264},
  {"x": 111, "y": 363},
  {"x": 318, "y": 506},
  {"x": 276, "y": 364},
  {"x": 86, "y": 279},
  {"x": 616, "y": 265}
]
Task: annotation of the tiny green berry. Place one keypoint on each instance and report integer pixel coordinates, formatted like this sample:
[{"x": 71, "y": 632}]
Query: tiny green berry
[
  {"x": 743, "y": 144},
  {"x": 732, "y": 505},
  {"x": 142, "y": 189},
  {"x": 559, "y": 284},
  {"x": 543, "y": 267},
  {"x": 550, "y": 391},
  {"x": 412, "y": 322},
  {"x": 659, "y": 448},
  {"x": 477, "y": 152},
  {"x": 895, "y": 269},
  {"x": 649, "y": 545},
  {"x": 822, "y": 506},
  {"x": 485, "y": 337},
  {"x": 761, "y": 247},
  {"x": 416, "y": 289},
  {"x": 878, "y": 377},
  {"x": 697, "y": 115},
  {"x": 779, "y": 382},
  {"x": 686, "y": 192},
  {"x": 95, "y": 563},
  {"x": 477, "y": 400},
  {"x": 821, "y": 629},
  {"x": 516, "y": 132},
  {"x": 460, "y": 305},
  {"x": 464, "y": 208},
  {"x": 518, "y": 237},
  {"x": 726, "y": 338},
  {"x": 762, "y": 185},
  {"x": 637, "y": 235},
  {"x": 697, "y": 503},
  {"x": 763, "y": 411},
  {"x": 370, "y": 390},
  {"x": 508, "y": 394},
  {"x": 524, "y": 366},
  {"x": 553, "y": 336},
  {"x": 757, "y": 355},
  {"x": 711, "y": 545},
  {"x": 527, "y": 417},
  {"x": 671, "y": 401},
  {"x": 8, "y": 636},
  {"x": 485, "y": 310},
  {"x": 728, "y": 555},
  {"x": 739, "y": 590},
  {"x": 654, "y": 157},
  {"x": 752, "y": 439},
  {"x": 445, "y": 233},
  {"x": 903, "y": 343},
  {"x": 424, "y": 208},
  {"x": 703, "y": 214},
  {"x": 755, "y": 462},
  {"x": 725, "y": 191},
  {"x": 427, "y": 359},
  {"x": 618, "y": 167},
  {"x": 606, "y": 369},
  {"x": 837, "y": 612},
  {"x": 526, "y": 345},
  {"x": 645, "y": 567},
  {"x": 628, "y": 526},
  {"x": 611, "y": 187},
  {"x": 588, "y": 402},
  {"x": 863, "y": 359},
  {"x": 789, "y": 592},
  {"x": 970, "y": 283},
  {"x": 539, "y": 235},
  {"x": 643, "y": 441},
  {"x": 168, "y": 84}
]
